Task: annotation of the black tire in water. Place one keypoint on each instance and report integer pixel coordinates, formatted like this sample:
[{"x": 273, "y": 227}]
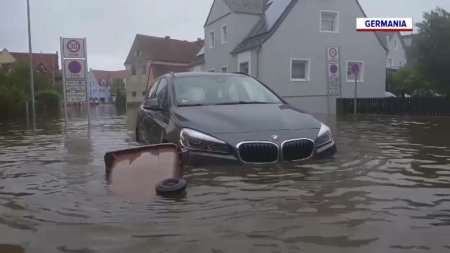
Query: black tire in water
[{"x": 171, "y": 186}]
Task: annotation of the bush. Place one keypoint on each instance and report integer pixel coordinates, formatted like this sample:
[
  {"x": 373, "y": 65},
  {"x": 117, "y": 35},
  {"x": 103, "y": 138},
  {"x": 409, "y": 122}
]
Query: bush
[{"x": 48, "y": 101}]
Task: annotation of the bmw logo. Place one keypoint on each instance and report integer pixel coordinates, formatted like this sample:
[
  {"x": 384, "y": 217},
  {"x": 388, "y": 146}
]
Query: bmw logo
[{"x": 275, "y": 137}]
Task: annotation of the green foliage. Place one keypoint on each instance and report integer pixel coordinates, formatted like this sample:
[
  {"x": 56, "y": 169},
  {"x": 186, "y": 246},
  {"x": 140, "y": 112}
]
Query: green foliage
[
  {"x": 432, "y": 50},
  {"x": 408, "y": 80},
  {"x": 15, "y": 89},
  {"x": 120, "y": 92},
  {"x": 48, "y": 101}
]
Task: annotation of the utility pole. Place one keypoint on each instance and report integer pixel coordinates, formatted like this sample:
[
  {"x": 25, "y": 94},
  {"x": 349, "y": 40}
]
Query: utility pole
[{"x": 33, "y": 109}]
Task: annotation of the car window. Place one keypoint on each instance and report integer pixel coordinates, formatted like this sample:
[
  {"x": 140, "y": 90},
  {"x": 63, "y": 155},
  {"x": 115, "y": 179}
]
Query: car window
[
  {"x": 152, "y": 92},
  {"x": 162, "y": 94},
  {"x": 227, "y": 89}
]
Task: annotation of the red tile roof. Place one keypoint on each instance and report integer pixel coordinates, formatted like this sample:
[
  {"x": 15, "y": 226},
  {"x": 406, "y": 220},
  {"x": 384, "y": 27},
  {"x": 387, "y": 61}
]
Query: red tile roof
[
  {"x": 108, "y": 76},
  {"x": 164, "y": 49},
  {"x": 48, "y": 61}
]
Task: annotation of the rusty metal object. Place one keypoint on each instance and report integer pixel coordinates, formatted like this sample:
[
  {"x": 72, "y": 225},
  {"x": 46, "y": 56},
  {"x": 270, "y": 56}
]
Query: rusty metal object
[{"x": 134, "y": 172}]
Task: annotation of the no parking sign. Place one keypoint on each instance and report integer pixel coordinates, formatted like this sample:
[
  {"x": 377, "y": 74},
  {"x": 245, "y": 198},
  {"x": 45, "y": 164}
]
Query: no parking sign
[{"x": 74, "y": 69}]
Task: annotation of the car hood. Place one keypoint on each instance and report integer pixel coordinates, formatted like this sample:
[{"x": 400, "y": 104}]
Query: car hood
[{"x": 244, "y": 118}]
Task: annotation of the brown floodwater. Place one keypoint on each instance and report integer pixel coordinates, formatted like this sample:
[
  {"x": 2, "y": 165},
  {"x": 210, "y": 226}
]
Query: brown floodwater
[{"x": 386, "y": 190}]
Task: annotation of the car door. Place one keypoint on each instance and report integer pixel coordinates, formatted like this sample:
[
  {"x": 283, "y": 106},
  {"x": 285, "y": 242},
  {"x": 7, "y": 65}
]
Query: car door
[
  {"x": 157, "y": 120},
  {"x": 143, "y": 133}
]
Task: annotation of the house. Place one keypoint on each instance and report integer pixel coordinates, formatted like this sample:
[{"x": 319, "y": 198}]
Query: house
[
  {"x": 150, "y": 56},
  {"x": 43, "y": 63},
  {"x": 397, "y": 55},
  {"x": 284, "y": 43},
  {"x": 408, "y": 41},
  {"x": 100, "y": 84}
]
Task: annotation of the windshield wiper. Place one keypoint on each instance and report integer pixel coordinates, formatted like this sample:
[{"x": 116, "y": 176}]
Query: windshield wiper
[{"x": 244, "y": 103}]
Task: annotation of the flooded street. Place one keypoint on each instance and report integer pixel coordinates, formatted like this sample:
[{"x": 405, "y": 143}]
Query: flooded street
[{"x": 386, "y": 190}]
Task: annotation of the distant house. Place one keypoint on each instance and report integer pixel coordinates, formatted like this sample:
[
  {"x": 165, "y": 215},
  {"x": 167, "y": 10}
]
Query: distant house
[
  {"x": 409, "y": 43},
  {"x": 150, "y": 56},
  {"x": 100, "y": 84},
  {"x": 397, "y": 54},
  {"x": 43, "y": 63},
  {"x": 284, "y": 44}
]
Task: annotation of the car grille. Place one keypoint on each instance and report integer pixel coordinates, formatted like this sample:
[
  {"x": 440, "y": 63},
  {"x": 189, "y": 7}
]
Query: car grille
[
  {"x": 258, "y": 152},
  {"x": 297, "y": 149}
]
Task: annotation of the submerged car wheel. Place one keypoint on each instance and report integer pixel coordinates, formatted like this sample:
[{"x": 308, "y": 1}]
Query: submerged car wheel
[{"x": 171, "y": 186}]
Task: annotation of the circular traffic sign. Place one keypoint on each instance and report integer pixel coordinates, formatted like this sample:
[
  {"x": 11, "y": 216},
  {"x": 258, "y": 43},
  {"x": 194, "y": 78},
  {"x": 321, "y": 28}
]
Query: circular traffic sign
[
  {"x": 74, "y": 67},
  {"x": 333, "y": 69},
  {"x": 73, "y": 46},
  {"x": 332, "y": 52},
  {"x": 355, "y": 68}
]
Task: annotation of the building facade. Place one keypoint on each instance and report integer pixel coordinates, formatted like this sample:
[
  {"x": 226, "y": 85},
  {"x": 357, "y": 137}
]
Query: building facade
[
  {"x": 284, "y": 43},
  {"x": 100, "y": 84},
  {"x": 160, "y": 55}
]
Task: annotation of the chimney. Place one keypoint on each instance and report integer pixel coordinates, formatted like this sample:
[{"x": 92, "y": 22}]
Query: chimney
[{"x": 167, "y": 37}]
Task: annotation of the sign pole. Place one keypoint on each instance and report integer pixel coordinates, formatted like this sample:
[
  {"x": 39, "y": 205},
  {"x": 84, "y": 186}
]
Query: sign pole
[
  {"x": 356, "y": 94},
  {"x": 64, "y": 81},
  {"x": 86, "y": 83},
  {"x": 33, "y": 109}
]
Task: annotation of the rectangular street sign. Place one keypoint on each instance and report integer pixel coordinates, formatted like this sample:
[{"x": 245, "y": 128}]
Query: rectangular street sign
[
  {"x": 76, "y": 97},
  {"x": 74, "y": 69},
  {"x": 79, "y": 86},
  {"x": 73, "y": 48}
]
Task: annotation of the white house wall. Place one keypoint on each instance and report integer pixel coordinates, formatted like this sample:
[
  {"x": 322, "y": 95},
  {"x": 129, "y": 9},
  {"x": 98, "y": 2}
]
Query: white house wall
[{"x": 299, "y": 36}]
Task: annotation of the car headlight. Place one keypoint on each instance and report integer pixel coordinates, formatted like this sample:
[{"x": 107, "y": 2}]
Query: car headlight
[
  {"x": 195, "y": 140},
  {"x": 324, "y": 136}
]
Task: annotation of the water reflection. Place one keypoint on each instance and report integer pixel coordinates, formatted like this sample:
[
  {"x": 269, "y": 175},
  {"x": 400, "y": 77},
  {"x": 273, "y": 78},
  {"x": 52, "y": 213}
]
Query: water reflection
[{"x": 385, "y": 191}]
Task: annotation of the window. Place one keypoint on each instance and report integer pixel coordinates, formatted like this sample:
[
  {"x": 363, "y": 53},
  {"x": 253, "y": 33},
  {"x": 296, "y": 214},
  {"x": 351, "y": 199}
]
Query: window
[
  {"x": 401, "y": 63},
  {"x": 244, "y": 67},
  {"x": 212, "y": 39},
  {"x": 389, "y": 63},
  {"x": 133, "y": 94},
  {"x": 224, "y": 37},
  {"x": 300, "y": 69},
  {"x": 153, "y": 88},
  {"x": 224, "y": 69},
  {"x": 329, "y": 21},
  {"x": 161, "y": 93},
  {"x": 395, "y": 44},
  {"x": 221, "y": 89},
  {"x": 387, "y": 40},
  {"x": 133, "y": 70},
  {"x": 143, "y": 70},
  {"x": 211, "y": 70},
  {"x": 137, "y": 53},
  {"x": 358, "y": 65},
  {"x": 143, "y": 93}
]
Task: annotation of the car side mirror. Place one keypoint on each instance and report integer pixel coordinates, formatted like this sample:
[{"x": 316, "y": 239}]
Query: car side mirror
[{"x": 152, "y": 104}]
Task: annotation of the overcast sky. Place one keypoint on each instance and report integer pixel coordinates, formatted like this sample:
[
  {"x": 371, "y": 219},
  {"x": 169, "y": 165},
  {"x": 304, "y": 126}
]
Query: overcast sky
[{"x": 111, "y": 25}]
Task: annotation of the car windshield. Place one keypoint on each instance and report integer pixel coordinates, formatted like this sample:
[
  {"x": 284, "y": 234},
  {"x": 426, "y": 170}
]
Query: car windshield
[{"x": 221, "y": 90}]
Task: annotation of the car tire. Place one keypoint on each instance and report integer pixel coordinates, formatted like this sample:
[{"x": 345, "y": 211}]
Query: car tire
[{"x": 171, "y": 186}]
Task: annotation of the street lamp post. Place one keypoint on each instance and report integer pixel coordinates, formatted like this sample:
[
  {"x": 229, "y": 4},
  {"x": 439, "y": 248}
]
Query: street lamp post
[{"x": 33, "y": 109}]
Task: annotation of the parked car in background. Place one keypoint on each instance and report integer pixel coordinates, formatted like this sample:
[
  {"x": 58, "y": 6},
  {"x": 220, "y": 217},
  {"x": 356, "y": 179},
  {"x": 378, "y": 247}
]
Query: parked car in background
[{"x": 223, "y": 117}]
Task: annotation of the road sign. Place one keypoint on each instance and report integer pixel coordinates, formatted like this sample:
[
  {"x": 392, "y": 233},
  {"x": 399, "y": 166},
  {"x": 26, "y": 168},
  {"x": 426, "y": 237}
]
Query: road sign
[
  {"x": 76, "y": 97},
  {"x": 333, "y": 72},
  {"x": 73, "y": 48},
  {"x": 76, "y": 86},
  {"x": 333, "y": 54},
  {"x": 74, "y": 69}
]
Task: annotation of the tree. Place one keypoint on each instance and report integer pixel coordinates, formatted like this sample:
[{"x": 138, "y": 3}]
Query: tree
[
  {"x": 120, "y": 92},
  {"x": 432, "y": 49},
  {"x": 409, "y": 80}
]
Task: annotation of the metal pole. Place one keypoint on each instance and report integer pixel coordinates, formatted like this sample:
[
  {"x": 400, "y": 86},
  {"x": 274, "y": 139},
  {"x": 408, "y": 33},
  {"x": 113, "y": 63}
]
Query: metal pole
[
  {"x": 356, "y": 94},
  {"x": 28, "y": 114},
  {"x": 63, "y": 67},
  {"x": 85, "y": 82},
  {"x": 33, "y": 109}
]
